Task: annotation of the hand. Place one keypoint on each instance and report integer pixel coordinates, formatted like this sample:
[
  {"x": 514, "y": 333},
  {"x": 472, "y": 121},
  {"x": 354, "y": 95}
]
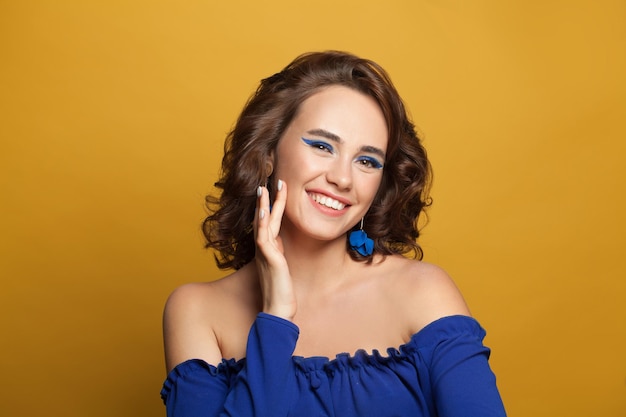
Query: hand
[{"x": 274, "y": 277}]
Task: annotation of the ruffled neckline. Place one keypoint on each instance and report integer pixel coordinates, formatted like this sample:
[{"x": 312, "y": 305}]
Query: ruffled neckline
[{"x": 430, "y": 335}]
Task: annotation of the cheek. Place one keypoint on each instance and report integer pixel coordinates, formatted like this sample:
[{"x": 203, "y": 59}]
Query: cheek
[
  {"x": 371, "y": 185},
  {"x": 287, "y": 170},
  {"x": 297, "y": 167}
]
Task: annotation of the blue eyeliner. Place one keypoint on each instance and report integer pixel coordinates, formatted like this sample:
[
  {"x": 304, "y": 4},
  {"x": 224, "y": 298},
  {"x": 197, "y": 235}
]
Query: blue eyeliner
[
  {"x": 318, "y": 144},
  {"x": 374, "y": 163}
]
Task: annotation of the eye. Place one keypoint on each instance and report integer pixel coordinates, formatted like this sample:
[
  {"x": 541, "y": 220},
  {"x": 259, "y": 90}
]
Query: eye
[
  {"x": 369, "y": 162},
  {"x": 319, "y": 144}
]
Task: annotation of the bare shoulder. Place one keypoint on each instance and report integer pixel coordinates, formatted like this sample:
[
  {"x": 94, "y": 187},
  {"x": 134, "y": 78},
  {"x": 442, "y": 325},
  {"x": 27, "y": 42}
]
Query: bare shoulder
[
  {"x": 426, "y": 292},
  {"x": 192, "y": 319},
  {"x": 187, "y": 329}
]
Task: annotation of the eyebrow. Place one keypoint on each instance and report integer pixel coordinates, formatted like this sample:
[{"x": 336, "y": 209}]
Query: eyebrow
[{"x": 331, "y": 136}]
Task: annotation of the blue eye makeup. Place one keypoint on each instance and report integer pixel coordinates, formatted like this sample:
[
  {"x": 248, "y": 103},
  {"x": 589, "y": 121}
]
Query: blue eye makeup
[
  {"x": 364, "y": 161},
  {"x": 369, "y": 162},
  {"x": 319, "y": 144}
]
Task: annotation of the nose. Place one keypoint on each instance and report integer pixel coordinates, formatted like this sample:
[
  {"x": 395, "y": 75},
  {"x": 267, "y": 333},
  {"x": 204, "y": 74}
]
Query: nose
[{"x": 340, "y": 174}]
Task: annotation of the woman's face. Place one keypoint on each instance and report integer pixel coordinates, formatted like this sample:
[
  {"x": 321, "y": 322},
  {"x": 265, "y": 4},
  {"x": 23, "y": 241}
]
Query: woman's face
[{"x": 331, "y": 156}]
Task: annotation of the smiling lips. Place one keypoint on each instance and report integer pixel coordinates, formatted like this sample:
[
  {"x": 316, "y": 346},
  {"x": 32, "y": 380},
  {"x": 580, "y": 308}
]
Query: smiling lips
[{"x": 327, "y": 201}]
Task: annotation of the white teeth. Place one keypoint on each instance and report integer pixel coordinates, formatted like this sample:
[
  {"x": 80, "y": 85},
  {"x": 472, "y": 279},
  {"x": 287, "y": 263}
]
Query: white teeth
[{"x": 327, "y": 201}]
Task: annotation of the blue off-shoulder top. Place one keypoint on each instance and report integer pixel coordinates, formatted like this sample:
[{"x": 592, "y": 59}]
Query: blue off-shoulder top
[{"x": 442, "y": 371}]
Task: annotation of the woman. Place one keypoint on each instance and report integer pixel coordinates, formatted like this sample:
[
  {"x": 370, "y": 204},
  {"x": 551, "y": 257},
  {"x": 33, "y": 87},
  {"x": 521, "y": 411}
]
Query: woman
[{"x": 322, "y": 181}]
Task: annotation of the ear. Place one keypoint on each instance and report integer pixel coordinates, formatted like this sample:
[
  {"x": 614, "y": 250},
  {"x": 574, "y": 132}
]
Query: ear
[{"x": 269, "y": 164}]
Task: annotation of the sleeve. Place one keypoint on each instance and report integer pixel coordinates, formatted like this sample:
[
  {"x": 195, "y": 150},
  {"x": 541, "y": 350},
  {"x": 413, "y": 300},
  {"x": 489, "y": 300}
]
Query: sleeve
[
  {"x": 262, "y": 386},
  {"x": 463, "y": 383}
]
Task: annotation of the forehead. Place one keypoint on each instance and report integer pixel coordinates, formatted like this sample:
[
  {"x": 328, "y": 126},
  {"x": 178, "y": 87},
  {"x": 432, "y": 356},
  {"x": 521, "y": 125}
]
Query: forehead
[{"x": 345, "y": 112}]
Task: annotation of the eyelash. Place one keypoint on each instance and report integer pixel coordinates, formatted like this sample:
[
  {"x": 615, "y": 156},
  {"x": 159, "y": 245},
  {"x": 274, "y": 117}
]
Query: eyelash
[{"x": 366, "y": 161}]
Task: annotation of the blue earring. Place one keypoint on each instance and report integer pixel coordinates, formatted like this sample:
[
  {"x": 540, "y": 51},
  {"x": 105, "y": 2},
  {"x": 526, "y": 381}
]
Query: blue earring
[{"x": 360, "y": 242}]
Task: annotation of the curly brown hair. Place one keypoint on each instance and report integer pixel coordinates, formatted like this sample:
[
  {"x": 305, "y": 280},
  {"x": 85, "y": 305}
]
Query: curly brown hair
[{"x": 403, "y": 194}]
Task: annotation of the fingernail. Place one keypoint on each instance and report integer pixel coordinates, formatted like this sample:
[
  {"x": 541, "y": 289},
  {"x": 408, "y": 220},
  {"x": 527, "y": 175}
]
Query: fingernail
[
  {"x": 259, "y": 191},
  {"x": 279, "y": 185},
  {"x": 261, "y": 214}
]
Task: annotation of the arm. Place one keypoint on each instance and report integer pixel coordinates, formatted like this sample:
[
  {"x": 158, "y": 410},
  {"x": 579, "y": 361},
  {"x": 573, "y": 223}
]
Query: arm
[
  {"x": 262, "y": 386},
  {"x": 463, "y": 383}
]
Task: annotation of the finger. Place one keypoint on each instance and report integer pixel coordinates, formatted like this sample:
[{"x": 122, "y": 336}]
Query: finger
[
  {"x": 262, "y": 217},
  {"x": 261, "y": 204},
  {"x": 278, "y": 208}
]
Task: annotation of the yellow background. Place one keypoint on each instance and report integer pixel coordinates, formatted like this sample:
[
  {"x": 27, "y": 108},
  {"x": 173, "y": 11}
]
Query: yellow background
[{"x": 112, "y": 120}]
